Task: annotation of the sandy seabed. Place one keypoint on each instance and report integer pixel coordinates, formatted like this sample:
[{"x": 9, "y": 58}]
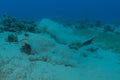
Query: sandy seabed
[{"x": 61, "y": 53}]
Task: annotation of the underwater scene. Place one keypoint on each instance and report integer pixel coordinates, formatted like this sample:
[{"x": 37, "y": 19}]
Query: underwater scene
[{"x": 59, "y": 40}]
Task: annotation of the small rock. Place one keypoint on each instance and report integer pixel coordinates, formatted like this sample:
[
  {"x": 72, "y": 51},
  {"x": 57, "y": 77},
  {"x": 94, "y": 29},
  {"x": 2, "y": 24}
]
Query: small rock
[{"x": 12, "y": 38}]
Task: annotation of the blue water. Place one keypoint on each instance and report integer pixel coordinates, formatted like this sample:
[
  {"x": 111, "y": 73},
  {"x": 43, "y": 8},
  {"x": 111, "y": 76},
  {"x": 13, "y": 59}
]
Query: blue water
[{"x": 68, "y": 9}]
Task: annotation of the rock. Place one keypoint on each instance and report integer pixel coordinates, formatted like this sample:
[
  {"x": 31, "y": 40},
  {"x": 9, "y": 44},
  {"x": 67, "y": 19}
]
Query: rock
[
  {"x": 12, "y": 38},
  {"x": 109, "y": 28},
  {"x": 1, "y": 30},
  {"x": 13, "y": 24}
]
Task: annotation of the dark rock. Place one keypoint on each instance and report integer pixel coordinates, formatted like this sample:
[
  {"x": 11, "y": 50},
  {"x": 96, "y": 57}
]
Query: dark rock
[
  {"x": 1, "y": 30},
  {"x": 84, "y": 55},
  {"x": 109, "y": 28},
  {"x": 14, "y": 25},
  {"x": 92, "y": 49},
  {"x": 12, "y": 38},
  {"x": 98, "y": 23}
]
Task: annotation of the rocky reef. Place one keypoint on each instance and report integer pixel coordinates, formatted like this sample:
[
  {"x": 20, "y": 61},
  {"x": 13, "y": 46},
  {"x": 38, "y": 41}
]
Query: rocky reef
[{"x": 12, "y": 24}]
